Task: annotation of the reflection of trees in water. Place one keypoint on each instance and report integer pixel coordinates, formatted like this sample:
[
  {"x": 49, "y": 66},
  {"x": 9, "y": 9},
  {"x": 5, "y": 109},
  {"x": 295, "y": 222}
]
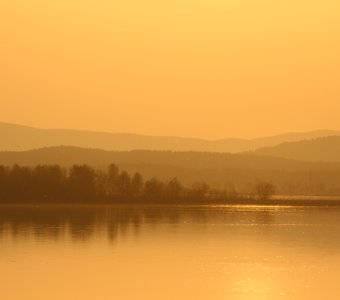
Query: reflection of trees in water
[{"x": 82, "y": 223}]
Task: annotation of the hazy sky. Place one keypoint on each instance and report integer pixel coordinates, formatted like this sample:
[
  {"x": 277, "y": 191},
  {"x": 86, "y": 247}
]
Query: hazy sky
[{"x": 209, "y": 68}]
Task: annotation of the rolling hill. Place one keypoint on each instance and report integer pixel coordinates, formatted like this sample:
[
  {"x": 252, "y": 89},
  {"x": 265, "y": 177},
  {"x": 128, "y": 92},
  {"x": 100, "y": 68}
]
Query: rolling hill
[
  {"x": 320, "y": 149},
  {"x": 220, "y": 170},
  {"x": 21, "y": 138},
  {"x": 67, "y": 155}
]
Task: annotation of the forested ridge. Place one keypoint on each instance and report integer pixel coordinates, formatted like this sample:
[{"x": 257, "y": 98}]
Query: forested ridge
[
  {"x": 241, "y": 172},
  {"x": 84, "y": 184}
]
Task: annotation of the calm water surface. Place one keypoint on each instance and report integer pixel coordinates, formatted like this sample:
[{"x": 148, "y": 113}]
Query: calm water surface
[{"x": 169, "y": 253}]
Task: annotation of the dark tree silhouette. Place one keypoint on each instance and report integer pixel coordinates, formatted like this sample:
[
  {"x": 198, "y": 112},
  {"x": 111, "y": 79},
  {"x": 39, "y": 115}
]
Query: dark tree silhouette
[
  {"x": 173, "y": 190},
  {"x": 83, "y": 184},
  {"x": 112, "y": 180},
  {"x": 136, "y": 184},
  {"x": 124, "y": 184},
  {"x": 264, "y": 190},
  {"x": 199, "y": 191},
  {"x": 153, "y": 189}
]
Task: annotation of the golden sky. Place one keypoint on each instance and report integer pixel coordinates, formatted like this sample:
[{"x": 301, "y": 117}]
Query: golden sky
[{"x": 209, "y": 68}]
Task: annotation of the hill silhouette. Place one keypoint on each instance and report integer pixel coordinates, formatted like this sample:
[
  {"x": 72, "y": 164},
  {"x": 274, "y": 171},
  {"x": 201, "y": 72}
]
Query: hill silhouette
[
  {"x": 67, "y": 155},
  {"x": 20, "y": 138},
  {"x": 320, "y": 149},
  {"x": 220, "y": 170}
]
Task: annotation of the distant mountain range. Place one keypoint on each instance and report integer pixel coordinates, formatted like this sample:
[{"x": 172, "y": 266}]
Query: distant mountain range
[
  {"x": 219, "y": 170},
  {"x": 66, "y": 156},
  {"x": 296, "y": 163},
  {"x": 320, "y": 149},
  {"x": 21, "y": 138}
]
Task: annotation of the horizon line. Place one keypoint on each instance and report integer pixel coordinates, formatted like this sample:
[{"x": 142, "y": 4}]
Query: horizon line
[{"x": 167, "y": 136}]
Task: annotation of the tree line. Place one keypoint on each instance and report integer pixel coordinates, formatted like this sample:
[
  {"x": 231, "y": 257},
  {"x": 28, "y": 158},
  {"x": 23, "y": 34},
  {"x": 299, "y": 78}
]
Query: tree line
[{"x": 84, "y": 184}]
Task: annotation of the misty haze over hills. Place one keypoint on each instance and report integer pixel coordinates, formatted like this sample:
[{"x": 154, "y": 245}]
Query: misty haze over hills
[
  {"x": 20, "y": 138},
  {"x": 320, "y": 149},
  {"x": 67, "y": 156},
  {"x": 296, "y": 163},
  {"x": 219, "y": 170}
]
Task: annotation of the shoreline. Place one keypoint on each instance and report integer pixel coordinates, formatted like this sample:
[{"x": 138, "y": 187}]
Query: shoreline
[{"x": 245, "y": 202}]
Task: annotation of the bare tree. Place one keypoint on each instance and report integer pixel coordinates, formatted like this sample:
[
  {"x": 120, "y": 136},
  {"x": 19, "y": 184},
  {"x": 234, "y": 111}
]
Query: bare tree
[{"x": 264, "y": 190}]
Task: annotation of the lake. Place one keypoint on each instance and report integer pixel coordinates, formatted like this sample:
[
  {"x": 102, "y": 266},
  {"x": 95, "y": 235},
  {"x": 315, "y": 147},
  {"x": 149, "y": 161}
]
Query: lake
[{"x": 169, "y": 252}]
